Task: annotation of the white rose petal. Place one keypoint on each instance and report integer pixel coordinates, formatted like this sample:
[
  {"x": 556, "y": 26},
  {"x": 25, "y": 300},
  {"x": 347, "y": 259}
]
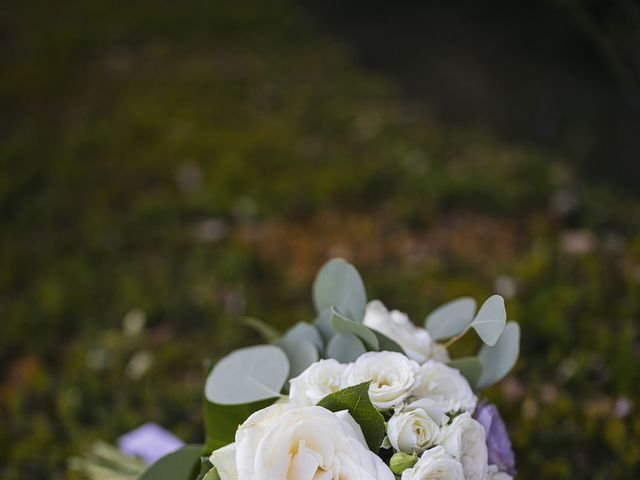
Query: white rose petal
[
  {"x": 392, "y": 377},
  {"x": 494, "y": 474},
  {"x": 412, "y": 430},
  {"x": 224, "y": 459},
  {"x": 465, "y": 440},
  {"x": 304, "y": 443},
  {"x": 435, "y": 464},
  {"x": 415, "y": 341},
  {"x": 316, "y": 382},
  {"x": 446, "y": 386}
]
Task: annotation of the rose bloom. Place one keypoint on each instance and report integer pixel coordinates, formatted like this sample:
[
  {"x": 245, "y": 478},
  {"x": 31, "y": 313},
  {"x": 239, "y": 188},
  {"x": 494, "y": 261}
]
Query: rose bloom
[
  {"x": 495, "y": 474},
  {"x": 435, "y": 464},
  {"x": 465, "y": 441},
  {"x": 446, "y": 386},
  {"x": 415, "y": 341},
  {"x": 301, "y": 443},
  {"x": 392, "y": 377},
  {"x": 412, "y": 430},
  {"x": 316, "y": 382}
]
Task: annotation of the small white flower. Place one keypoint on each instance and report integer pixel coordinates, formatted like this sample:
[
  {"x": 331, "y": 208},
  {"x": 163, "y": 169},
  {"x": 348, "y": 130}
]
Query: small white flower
[
  {"x": 465, "y": 440},
  {"x": 446, "y": 387},
  {"x": 412, "y": 430},
  {"x": 392, "y": 377},
  {"x": 494, "y": 474},
  {"x": 305, "y": 443},
  {"x": 316, "y": 382},
  {"x": 435, "y": 464},
  {"x": 415, "y": 341}
]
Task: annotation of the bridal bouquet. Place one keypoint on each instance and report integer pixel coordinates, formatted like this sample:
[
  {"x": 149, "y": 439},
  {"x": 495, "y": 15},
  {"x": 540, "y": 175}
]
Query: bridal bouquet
[{"x": 360, "y": 393}]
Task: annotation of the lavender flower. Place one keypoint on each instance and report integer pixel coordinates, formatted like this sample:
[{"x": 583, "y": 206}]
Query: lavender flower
[{"x": 498, "y": 443}]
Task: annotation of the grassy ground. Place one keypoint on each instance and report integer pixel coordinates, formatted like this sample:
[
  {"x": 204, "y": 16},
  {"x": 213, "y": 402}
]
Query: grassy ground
[{"x": 199, "y": 161}]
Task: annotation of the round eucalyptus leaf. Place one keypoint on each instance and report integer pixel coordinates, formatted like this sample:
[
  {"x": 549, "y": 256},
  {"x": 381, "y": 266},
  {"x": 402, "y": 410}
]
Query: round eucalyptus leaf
[
  {"x": 323, "y": 324},
  {"x": 345, "y": 325},
  {"x": 498, "y": 360},
  {"x": 300, "y": 353},
  {"x": 470, "y": 368},
  {"x": 339, "y": 283},
  {"x": 345, "y": 348},
  {"x": 490, "y": 320},
  {"x": 305, "y": 332},
  {"x": 451, "y": 318},
  {"x": 179, "y": 465},
  {"x": 248, "y": 375},
  {"x": 386, "y": 344}
]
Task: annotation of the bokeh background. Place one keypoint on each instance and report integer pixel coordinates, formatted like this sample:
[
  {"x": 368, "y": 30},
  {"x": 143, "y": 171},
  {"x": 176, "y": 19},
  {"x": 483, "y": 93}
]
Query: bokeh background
[{"x": 169, "y": 167}]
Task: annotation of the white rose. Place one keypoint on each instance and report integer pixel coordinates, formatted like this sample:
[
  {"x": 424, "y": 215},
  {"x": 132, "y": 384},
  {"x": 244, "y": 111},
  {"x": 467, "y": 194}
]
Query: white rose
[
  {"x": 412, "y": 430},
  {"x": 435, "y": 464},
  {"x": 446, "y": 387},
  {"x": 494, "y": 474},
  {"x": 465, "y": 440},
  {"x": 415, "y": 341},
  {"x": 224, "y": 460},
  {"x": 392, "y": 377},
  {"x": 301, "y": 443},
  {"x": 316, "y": 382}
]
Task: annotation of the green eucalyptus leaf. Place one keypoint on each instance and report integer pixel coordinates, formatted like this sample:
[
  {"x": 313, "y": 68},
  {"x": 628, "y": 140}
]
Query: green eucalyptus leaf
[
  {"x": 345, "y": 348},
  {"x": 344, "y": 325},
  {"x": 248, "y": 375},
  {"x": 339, "y": 283},
  {"x": 305, "y": 332},
  {"x": 385, "y": 343},
  {"x": 470, "y": 368},
  {"x": 498, "y": 360},
  {"x": 263, "y": 328},
  {"x": 450, "y": 319},
  {"x": 490, "y": 320},
  {"x": 182, "y": 464},
  {"x": 323, "y": 324},
  {"x": 300, "y": 353},
  {"x": 356, "y": 400}
]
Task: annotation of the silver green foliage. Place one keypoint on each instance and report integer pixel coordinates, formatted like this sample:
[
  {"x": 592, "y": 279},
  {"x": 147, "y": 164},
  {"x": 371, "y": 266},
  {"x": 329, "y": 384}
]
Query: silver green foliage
[
  {"x": 248, "y": 375},
  {"x": 499, "y": 359},
  {"x": 451, "y": 318}
]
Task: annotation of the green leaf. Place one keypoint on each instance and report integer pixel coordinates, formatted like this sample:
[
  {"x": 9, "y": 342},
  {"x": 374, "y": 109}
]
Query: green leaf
[
  {"x": 222, "y": 421},
  {"x": 339, "y": 283},
  {"x": 498, "y": 360},
  {"x": 450, "y": 319},
  {"x": 470, "y": 368},
  {"x": 248, "y": 375},
  {"x": 211, "y": 475},
  {"x": 182, "y": 464},
  {"x": 356, "y": 400},
  {"x": 344, "y": 325},
  {"x": 300, "y": 353},
  {"x": 490, "y": 320},
  {"x": 323, "y": 324},
  {"x": 263, "y": 328},
  {"x": 306, "y": 332},
  {"x": 385, "y": 343},
  {"x": 344, "y": 347}
]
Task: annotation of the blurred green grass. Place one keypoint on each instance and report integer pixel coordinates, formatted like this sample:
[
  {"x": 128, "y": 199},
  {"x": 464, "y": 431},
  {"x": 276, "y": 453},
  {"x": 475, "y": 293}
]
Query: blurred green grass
[{"x": 200, "y": 161}]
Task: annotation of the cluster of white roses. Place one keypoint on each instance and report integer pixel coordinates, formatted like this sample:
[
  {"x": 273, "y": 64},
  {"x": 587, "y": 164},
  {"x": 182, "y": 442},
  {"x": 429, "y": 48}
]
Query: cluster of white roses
[{"x": 427, "y": 405}]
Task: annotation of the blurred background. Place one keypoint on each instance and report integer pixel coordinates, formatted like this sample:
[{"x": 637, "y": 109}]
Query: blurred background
[{"x": 169, "y": 167}]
